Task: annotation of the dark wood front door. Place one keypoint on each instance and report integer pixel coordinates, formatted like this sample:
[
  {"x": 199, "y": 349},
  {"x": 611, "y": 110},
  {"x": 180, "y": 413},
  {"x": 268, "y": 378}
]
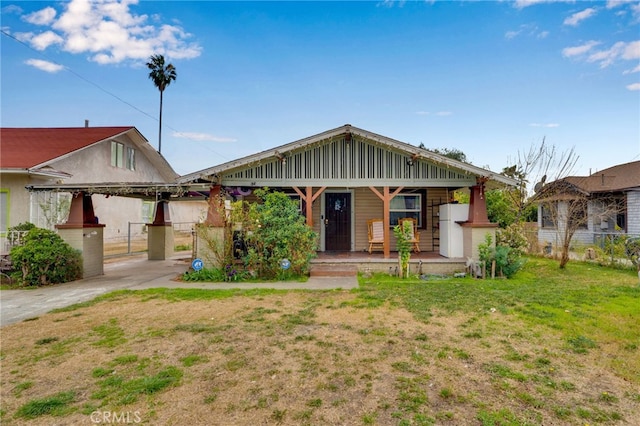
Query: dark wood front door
[{"x": 337, "y": 221}]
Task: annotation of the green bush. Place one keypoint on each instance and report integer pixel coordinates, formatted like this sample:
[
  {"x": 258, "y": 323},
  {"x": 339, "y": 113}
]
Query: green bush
[
  {"x": 275, "y": 230},
  {"x": 44, "y": 258},
  {"x": 507, "y": 254}
]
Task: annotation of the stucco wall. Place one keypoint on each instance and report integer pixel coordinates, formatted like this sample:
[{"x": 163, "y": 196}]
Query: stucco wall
[
  {"x": 18, "y": 198},
  {"x": 93, "y": 165}
]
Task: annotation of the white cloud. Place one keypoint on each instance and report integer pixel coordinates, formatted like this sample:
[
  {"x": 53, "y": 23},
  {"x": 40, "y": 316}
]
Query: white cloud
[
  {"x": 547, "y": 125},
  {"x": 634, "y": 86},
  {"x": 109, "y": 33},
  {"x": 422, "y": 112},
  {"x": 608, "y": 56},
  {"x": 577, "y": 17},
  {"x": 632, "y": 50},
  {"x": 44, "y": 65},
  {"x": 511, "y": 34},
  {"x": 521, "y": 4},
  {"x": 526, "y": 29},
  {"x": 12, "y": 8},
  {"x": 203, "y": 137},
  {"x": 579, "y": 50},
  {"x": 443, "y": 113},
  {"x": 615, "y": 3},
  {"x": 41, "y": 17},
  {"x": 633, "y": 70},
  {"x": 45, "y": 39}
]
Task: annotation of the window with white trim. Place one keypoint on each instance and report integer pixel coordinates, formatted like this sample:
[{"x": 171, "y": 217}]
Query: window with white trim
[
  {"x": 406, "y": 205},
  {"x": 131, "y": 158},
  {"x": 123, "y": 157}
]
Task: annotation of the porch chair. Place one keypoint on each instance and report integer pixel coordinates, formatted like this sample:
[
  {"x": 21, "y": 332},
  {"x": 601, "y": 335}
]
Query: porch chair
[
  {"x": 415, "y": 235},
  {"x": 376, "y": 234}
]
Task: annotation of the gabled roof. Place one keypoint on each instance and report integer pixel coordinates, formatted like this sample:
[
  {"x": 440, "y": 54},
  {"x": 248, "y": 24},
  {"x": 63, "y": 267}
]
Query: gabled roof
[
  {"x": 25, "y": 148},
  {"x": 33, "y": 150},
  {"x": 618, "y": 178},
  {"x": 411, "y": 150}
]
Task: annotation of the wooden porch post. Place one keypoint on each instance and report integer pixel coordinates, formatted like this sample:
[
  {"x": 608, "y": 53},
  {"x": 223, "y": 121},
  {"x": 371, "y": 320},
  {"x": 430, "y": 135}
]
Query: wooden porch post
[
  {"x": 309, "y": 197},
  {"x": 386, "y": 198}
]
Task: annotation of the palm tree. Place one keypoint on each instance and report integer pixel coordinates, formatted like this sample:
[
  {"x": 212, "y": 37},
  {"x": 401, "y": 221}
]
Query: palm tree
[{"x": 161, "y": 76}]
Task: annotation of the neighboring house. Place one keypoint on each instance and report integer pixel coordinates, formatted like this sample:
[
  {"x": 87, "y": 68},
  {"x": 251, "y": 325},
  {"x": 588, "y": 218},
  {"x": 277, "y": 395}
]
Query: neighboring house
[
  {"x": 606, "y": 202},
  {"x": 82, "y": 155},
  {"x": 346, "y": 176}
]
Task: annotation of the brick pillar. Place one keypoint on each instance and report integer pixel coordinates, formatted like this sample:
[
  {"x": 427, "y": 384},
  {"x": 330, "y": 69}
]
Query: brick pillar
[
  {"x": 83, "y": 232},
  {"x": 477, "y": 226},
  {"x": 160, "y": 239}
]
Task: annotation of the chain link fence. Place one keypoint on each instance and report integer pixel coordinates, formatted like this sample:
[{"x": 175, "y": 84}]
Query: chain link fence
[{"x": 135, "y": 241}]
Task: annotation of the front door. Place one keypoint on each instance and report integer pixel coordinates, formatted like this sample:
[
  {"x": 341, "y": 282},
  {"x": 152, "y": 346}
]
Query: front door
[{"x": 337, "y": 221}]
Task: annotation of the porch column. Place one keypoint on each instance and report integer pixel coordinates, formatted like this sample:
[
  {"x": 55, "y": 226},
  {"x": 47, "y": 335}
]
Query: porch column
[
  {"x": 477, "y": 226},
  {"x": 160, "y": 237},
  {"x": 210, "y": 236},
  {"x": 309, "y": 197},
  {"x": 83, "y": 232},
  {"x": 215, "y": 212}
]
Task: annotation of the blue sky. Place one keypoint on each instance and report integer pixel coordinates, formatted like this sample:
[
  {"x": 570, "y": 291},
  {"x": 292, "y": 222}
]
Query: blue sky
[{"x": 488, "y": 78}]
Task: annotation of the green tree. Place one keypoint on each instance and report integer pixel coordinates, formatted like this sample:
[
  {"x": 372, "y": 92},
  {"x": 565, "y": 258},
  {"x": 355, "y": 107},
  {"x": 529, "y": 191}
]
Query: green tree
[
  {"x": 453, "y": 153},
  {"x": 162, "y": 75}
]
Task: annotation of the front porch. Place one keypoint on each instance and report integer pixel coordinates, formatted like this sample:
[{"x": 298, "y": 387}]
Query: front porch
[{"x": 340, "y": 263}]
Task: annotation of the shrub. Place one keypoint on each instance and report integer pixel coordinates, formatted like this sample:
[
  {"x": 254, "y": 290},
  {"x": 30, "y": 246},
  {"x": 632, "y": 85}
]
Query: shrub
[
  {"x": 44, "y": 258},
  {"x": 507, "y": 254},
  {"x": 274, "y": 230}
]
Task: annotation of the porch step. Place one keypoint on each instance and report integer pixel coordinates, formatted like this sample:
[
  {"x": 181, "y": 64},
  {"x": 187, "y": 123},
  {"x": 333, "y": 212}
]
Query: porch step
[{"x": 333, "y": 270}]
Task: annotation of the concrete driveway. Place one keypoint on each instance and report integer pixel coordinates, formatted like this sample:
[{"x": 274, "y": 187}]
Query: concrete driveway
[{"x": 135, "y": 273}]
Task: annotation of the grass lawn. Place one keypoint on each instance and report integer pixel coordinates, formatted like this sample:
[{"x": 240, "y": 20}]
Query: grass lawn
[{"x": 550, "y": 347}]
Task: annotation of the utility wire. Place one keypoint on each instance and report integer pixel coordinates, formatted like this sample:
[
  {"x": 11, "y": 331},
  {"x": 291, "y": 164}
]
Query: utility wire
[{"x": 86, "y": 80}]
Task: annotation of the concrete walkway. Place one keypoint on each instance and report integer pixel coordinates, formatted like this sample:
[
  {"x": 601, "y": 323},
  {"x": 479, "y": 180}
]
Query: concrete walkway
[{"x": 134, "y": 273}]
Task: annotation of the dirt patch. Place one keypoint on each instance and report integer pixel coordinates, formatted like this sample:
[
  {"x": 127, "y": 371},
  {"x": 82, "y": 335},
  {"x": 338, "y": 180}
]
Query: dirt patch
[{"x": 303, "y": 358}]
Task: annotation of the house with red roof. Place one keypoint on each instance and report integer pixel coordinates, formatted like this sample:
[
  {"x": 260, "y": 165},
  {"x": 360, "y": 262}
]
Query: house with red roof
[
  {"x": 611, "y": 205},
  {"x": 77, "y": 155}
]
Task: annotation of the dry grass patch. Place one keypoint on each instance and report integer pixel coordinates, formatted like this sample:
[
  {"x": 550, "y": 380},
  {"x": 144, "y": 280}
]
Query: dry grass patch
[{"x": 304, "y": 358}]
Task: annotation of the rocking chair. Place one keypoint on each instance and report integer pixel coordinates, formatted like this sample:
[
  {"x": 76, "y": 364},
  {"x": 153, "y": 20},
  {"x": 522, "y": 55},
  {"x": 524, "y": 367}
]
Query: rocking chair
[{"x": 376, "y": 234}]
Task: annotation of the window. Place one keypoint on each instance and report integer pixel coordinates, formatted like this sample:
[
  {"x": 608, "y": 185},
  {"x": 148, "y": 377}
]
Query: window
[
  {"x": 548, "y": 212},
  {"x": 117, "y": 154},
  {"x": 119, "y": 159},
  {"x": 577, "y": 212},
  {"x": 131, "y": 158},
  {"x": 406, "y": 205}
]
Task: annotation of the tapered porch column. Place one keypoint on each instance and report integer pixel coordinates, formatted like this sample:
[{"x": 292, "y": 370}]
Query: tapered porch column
[
  {"x": 160, "y": 237},
  {"x": 210, "y": 236},
  {"x": 83, "y": 232},
  {"x": 477, "y": 226}
]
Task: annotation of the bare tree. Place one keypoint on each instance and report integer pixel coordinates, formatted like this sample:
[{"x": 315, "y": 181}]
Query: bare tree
[
  {"x": 568, "y": 208},
  {"x": 539, "y": 164}
]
